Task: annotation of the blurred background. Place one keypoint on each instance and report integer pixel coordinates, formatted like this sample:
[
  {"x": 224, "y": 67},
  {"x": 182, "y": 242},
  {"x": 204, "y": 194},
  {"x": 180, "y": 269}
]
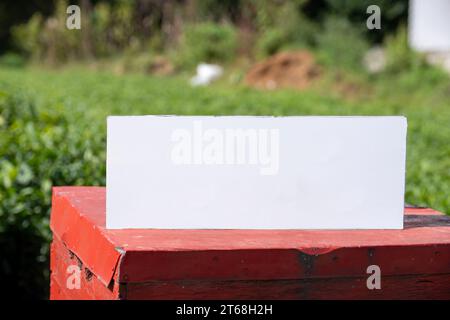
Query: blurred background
[{"x": 234, "y": 57}]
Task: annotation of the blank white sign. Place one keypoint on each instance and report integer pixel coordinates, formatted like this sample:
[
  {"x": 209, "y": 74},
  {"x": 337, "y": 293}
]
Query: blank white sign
[{"x": 244, "y": 172}]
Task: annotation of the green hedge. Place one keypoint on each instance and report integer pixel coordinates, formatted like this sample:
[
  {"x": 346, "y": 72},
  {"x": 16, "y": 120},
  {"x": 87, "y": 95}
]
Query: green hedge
[
  {"x": 39, "y": 148},
  {"x": 207, "y": 42}
]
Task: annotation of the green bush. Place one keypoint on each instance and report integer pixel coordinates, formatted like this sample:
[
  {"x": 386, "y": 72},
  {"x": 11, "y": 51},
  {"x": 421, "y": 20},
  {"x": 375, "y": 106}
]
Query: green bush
[
  {"x": 271, "y": 41},
  {"x": 48, "y": 39},
  {"x": 393, "y": 13},
  {"x": 399, "y": 56},
  {"x": 207, "y": 42},
  {"x": 409, "y": 68},
  {"x": 40, "y": 149},
  {"x": 12, "y": 60},
  {"x": 287, "y": 28},
  {"x": 293, "y": 36},
  {"x": 27, "y": 36},
  {"x": 341, "y": 45},
  {"x": 106, "y": 30}
]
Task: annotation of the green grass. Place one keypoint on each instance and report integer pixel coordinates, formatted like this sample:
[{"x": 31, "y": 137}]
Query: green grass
[{"x": 87, "y": 98}]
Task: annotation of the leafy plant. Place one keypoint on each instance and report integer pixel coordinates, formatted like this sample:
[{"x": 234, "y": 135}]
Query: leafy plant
[
  {"x": 340, "y": 45},
  {"x": 39, "y": 148},
  {"x": 12, "y": 60},
  {"x": 26, "y": 37},
  {"x": 208, "y": 42},
  {"x": 285, "y": 28}
]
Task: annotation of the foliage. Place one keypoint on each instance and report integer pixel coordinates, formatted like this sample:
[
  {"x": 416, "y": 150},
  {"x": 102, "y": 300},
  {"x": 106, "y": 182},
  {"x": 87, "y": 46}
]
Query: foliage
[
  {"x": 287, "y": 28},
  {"x": 12, "y": 60},
  {"x": 27, "y": 36},
  {"x": 40, "y": 148},
  {"x": 400, "y": 57},
  {"x": 341, "y": 45},
  {"x": 393, "y": 13},
  {"x": 208, "y": 42},
  {"x": 263, "y": 27},
  {"x": 106, "y": 30},
  {"x": 15, "y": 12},
  {"x": 271, "y": 42},
  {"x": 48, "y": 39}
]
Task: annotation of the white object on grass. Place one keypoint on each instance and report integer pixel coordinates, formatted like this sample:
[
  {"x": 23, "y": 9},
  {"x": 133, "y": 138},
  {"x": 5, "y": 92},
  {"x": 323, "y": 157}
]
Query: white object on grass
[
  {"x": 375, "y": 60},
  {"x": 206, "y": 73}
]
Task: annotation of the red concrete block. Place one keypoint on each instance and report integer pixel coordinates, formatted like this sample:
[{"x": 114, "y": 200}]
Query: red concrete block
[{"x": 242, "y": 264}]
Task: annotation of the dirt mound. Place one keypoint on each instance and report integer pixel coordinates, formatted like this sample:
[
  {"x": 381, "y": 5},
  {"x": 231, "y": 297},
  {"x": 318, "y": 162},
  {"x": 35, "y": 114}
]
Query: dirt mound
[{"x": 284, "y": 70}]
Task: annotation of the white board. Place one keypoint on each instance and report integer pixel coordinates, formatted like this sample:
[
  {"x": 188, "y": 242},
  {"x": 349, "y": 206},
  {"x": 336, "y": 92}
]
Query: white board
[{"x": 244, "y": 172}]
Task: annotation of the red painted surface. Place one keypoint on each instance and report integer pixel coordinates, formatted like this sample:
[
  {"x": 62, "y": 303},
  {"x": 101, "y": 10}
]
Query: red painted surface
[
  {"x": 202, "y": 264},
  {"x": 401, "y": 287},
  {"x": 90, "y": 285}
]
